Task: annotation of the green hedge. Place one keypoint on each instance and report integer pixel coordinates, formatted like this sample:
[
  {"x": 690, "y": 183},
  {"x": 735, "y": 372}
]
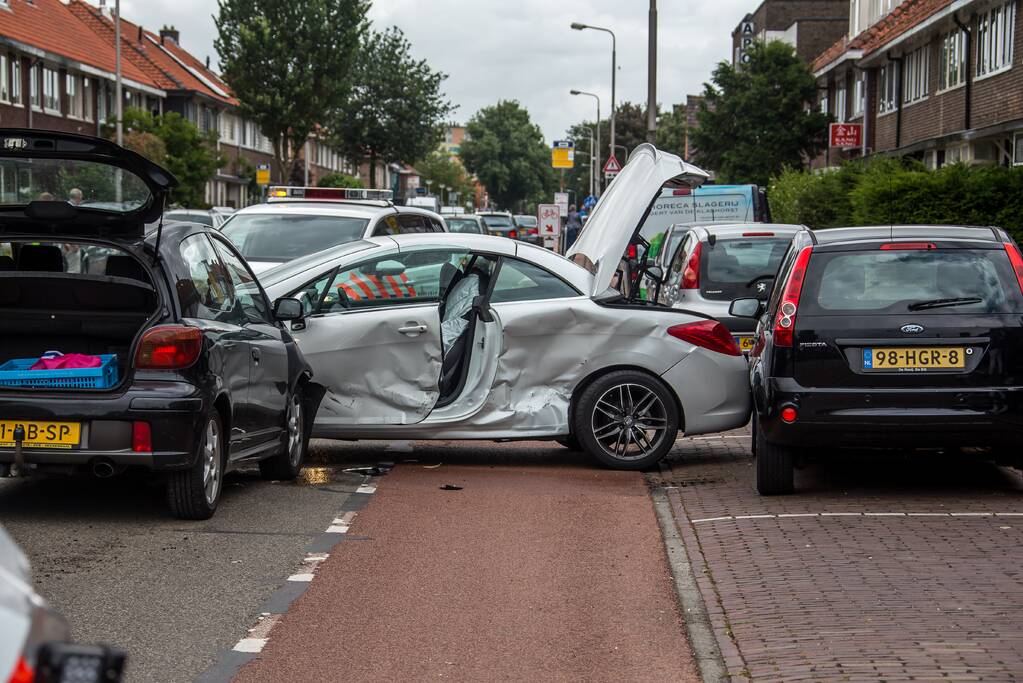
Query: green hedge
[{"x": 887, "y": 191}]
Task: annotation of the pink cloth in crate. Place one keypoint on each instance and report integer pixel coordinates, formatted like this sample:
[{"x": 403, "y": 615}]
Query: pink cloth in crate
[{"x": 69, "y": 361}]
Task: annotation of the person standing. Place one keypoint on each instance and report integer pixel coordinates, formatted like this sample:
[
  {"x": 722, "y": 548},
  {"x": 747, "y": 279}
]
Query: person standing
[{"x": 572, "y": 226}]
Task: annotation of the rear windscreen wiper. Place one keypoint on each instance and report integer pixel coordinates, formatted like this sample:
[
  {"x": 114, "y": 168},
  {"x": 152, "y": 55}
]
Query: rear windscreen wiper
[{"x": 942, "y": 303}]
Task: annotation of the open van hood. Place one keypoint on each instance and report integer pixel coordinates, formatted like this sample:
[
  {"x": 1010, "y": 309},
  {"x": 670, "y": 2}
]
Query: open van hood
[
  {"x": 66, "y": 184},
  {"x": 619, "y": 214}
]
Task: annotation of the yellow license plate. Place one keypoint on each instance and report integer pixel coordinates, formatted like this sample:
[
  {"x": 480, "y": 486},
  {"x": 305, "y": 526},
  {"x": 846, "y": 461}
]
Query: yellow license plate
[
  {"x": 64, "y": 435},
  {"x": 915, "y": 358},
  {"x": 745, "y": 343}
]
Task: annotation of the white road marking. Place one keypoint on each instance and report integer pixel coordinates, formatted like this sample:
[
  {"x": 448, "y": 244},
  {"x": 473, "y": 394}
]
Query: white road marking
[
  {"x": 301, "y": 578},
  {"x": 318, "y": 557},
  {"x": 790, "y": 515},
  {"x": 366, "y": 488},
  {"x": 253, "y": 645},
  {"x": 338, "y": 529}
]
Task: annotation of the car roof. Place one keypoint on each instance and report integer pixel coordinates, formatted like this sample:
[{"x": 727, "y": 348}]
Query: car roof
[
  {"x": 738, "y": 229},
  {"x": 347, "y": 209},
  {"x": 873, "y": 233}
]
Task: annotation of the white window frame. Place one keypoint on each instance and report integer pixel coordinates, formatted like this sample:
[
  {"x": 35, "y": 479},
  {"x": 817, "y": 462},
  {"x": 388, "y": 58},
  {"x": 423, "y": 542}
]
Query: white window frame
[
  {"x": 995, "y": 34},
  {"x": 16, "y": 81},
  {"x": 952, "y": 60},
  {"x": 916, "y": 72},
  {"x": 5, "y": 79},
  {"x": 858, "y": 94},
  {"x": 1017, "y": 149},
  {"x": 887, "y": 88},
  {"x": 840, "y": 107},
  {"x": 51, "y": 91},
  {"x": 35, "y": 87}
]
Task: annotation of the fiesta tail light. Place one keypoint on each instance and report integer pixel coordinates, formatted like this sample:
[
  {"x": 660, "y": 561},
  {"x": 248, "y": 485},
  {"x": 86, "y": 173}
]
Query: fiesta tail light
[
  {"x": 168, "y": 347},
  {"x": 785, "y": 322},
  {"x": 789, "y": 414},
  {"x": 709, "y": 334},
  {"x": 141, "y": 437},
  {"x": 1016, "y": 259},
  {"x": 691, "y": 274},
  {"x": 908, "y": 246}
]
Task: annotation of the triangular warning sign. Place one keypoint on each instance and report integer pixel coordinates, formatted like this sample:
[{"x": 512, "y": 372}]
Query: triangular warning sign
[{"x": 612, "y": 165}]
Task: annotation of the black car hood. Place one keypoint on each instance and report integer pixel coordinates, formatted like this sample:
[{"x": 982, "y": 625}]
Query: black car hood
[{"x": 63, "y": 218}]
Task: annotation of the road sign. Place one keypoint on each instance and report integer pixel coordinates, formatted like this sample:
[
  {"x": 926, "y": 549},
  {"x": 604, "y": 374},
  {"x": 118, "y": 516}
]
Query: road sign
[
  {"x": 846, "y": 135},
  {"x": 561, "y": 199},
  {"x": 263, "y": 174},
  {"x": 611, "y": 166},
  {"x": 548, "y": 219},
  {"x": 563, "y": 154}
]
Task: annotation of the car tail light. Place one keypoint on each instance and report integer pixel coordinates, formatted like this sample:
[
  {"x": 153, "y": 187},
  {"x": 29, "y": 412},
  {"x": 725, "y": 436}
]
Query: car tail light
[
  {"x": 908, "y": 246},
  {"x": 22, "y": 672},
  {"x": 786, "y": 319},
  {"x": 141, "y": 437},
  {"x": 534, "y": 231},
  {"x": 1016, "y": 259},
  {"x": 631, "y": 251},
  {"x": 691, "y": 274},
  {"x": 681, "y": 192},
  {"x": 168, "y": 347},
  {"x": 710, "y": 334},
  {"x": 789, "y": 414},
  {"x": 512, "y": 234}
]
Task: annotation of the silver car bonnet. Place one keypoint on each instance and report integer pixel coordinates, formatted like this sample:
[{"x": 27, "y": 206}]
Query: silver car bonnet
[{"x": 621, "y": 209}]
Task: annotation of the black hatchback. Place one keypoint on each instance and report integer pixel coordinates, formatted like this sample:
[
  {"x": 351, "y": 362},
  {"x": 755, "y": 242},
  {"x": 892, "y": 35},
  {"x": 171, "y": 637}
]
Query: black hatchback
[
  {"x": 888, "y": 337},
  {"x": 123, "y": 349}
]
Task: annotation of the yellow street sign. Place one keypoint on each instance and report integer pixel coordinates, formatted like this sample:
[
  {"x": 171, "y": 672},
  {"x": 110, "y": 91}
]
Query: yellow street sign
[
  {"x": 563, "y": 154},
  {"x": 263, "y": 174}
]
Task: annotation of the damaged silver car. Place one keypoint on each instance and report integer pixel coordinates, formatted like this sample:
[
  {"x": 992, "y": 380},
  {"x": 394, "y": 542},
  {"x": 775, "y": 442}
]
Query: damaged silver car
[{"x": 459, "y": 336}]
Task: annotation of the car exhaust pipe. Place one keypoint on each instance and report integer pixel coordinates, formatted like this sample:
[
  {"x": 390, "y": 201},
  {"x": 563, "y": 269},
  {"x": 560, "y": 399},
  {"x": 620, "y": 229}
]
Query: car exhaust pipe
[{"x": 102, "y": 469}]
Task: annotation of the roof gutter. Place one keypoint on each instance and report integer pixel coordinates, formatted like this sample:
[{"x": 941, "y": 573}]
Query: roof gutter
[
  {"x": 877, "y": 55},
  {"x": 847, "y": 56},
  {"x": 968, "y": 89}
]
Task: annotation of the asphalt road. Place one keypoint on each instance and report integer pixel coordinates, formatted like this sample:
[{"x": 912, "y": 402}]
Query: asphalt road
[{"x": 174, "y": 594}]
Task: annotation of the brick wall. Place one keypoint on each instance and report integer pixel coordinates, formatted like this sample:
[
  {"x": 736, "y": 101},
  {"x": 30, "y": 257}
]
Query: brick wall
[{"x": 814, "y": 36}]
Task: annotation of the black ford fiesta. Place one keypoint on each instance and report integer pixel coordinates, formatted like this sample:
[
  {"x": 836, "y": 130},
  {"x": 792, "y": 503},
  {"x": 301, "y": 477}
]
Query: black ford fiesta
[
  {"x": 124, "y": 349},
  {"x": 886, "y": 337}
]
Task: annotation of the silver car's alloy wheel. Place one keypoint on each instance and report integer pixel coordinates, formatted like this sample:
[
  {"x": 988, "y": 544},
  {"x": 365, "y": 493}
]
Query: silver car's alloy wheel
[
  {"x": 212, "y": 470},
  {"x": 629, "y": 421},
  {"x": 295, "y": 430}
]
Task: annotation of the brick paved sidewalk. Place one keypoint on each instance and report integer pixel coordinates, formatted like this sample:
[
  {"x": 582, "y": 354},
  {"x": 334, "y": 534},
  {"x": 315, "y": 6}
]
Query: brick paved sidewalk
[{"x": 877, "y": 569}]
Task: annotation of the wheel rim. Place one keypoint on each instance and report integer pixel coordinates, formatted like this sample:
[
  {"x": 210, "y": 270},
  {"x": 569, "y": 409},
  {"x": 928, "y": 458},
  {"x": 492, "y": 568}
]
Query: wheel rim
[
  {"x": 629, "y": 421},
  {"x": 211, "y": 471},
  {"x": 295, "y": 430}
]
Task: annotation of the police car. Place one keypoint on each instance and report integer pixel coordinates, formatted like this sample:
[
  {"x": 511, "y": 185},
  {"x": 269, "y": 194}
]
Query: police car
[{"x": 299, "y": 221}]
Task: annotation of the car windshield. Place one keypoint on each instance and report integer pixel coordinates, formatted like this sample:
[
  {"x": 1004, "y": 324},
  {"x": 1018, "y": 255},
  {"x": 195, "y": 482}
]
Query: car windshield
[
  {"x": 82, "y": 183},
  {"x": 526, "y": 221},
  {"x": 735, "y": 267},
  {"x": 942, "y": 281},
  {"x": 462, "y": 225},
  {"x": 497, "y": 222},
  {"x": 283, "y": 237}
]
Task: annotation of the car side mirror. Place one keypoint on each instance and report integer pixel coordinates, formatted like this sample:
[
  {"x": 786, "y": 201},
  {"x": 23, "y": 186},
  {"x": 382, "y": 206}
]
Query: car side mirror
[
  {"x": 745, "y": 308},
  {"x": 286, "y": 309},
  {"x": 389, "y": 268},
  {"x": 656, "y": 272}
]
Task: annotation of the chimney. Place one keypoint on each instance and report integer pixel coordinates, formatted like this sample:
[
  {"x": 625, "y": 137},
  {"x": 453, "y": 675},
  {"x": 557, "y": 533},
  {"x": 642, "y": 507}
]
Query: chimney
[{"x": 170, "y": 34}]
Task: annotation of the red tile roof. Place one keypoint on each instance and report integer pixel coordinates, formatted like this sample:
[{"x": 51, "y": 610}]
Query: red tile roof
[{"x": 48, "y": 25}]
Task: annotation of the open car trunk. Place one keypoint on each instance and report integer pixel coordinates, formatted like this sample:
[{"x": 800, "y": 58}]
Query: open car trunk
[{"x": 73, "y": 313}]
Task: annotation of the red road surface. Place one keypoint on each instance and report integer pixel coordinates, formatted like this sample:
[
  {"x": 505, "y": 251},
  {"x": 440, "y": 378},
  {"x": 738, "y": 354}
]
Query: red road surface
[{"x": 530, "y": 572}]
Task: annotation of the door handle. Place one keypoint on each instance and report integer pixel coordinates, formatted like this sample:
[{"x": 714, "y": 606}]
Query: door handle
[
  {"x": 412, "y": 329},
  {"x": 255, "y": 355}
]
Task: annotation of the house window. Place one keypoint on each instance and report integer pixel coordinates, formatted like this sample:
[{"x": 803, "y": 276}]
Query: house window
[
  {"x": 5, "y": 86},
  {"x": 915, "y": 71},
  {"x": 1017, "y": 149},
  {"x": 78, "y": 97},
  {"x": 952, "y": 60},
  {"x": 824, "y": 103},
  {"x": 16, "y": 80},
  {"x": 840, "y": 104},
  {"x": 994, "y": 39},
  {"x": 51, "y": 90},
  {"x": 886, "y": 88},
  {"x": 35, "y": 96},
  {"x": 857, "y": 95}
]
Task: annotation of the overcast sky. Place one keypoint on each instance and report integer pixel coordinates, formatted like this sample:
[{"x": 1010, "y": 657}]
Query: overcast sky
[{"x": 524, "y": 49}]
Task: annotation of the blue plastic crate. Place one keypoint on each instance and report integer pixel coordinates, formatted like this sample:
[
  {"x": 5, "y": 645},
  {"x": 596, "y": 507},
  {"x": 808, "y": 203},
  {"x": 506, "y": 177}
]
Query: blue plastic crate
[{"x": 16, "y": 373}]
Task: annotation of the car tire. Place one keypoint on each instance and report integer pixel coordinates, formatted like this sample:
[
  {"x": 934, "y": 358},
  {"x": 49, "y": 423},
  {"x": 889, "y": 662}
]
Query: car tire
[
  {"x": 631, "y": 407},
  {"x": 287, "y": 462},
  {"x": 195, "y": 493},
  {"x": 570, "y": 442},
  {"x": 774, "y": 465}
]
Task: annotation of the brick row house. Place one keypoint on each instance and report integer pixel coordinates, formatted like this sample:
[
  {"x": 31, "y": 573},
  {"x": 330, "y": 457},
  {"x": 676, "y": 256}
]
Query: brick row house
[
  {"x": 57, "y": 71},
  {"x": 937, "y": 80}
]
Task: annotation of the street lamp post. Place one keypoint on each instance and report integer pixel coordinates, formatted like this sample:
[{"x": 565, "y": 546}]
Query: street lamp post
[
  {"x": 593, "y": 153},
  {"x": 614, "y": 72},
  {"x": 651, "y": 76}
]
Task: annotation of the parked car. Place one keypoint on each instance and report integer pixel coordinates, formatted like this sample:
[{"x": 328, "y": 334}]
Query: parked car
[
  {"x": 888, "y": 337},
  {"x": 714, "y": 264},
  {"x": 35, "y": 641},
  {"x": 499, "y": 223},
  {"x": 470, "y": 224},
  {"x": 317, "y": 218},
  {"x": 213, "y": 219},
  {"x": 197, "y": 372},
  {"x": 528, "y": 228},
  {"x": 459, "y": 336}
]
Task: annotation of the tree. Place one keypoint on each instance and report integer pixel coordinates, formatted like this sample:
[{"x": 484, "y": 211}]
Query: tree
[
  {"x": 339, "y": 180},
  {"x": 672, "y": 131},
  {"x": 175, "y": 143},
  {"x": 441, "y": 169},
  {"x": 754, "y": 119},
  {"x": 289, "y": 64},
  {"x": 507, "y": 153},
  {"x": 396, "y": 110}
]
